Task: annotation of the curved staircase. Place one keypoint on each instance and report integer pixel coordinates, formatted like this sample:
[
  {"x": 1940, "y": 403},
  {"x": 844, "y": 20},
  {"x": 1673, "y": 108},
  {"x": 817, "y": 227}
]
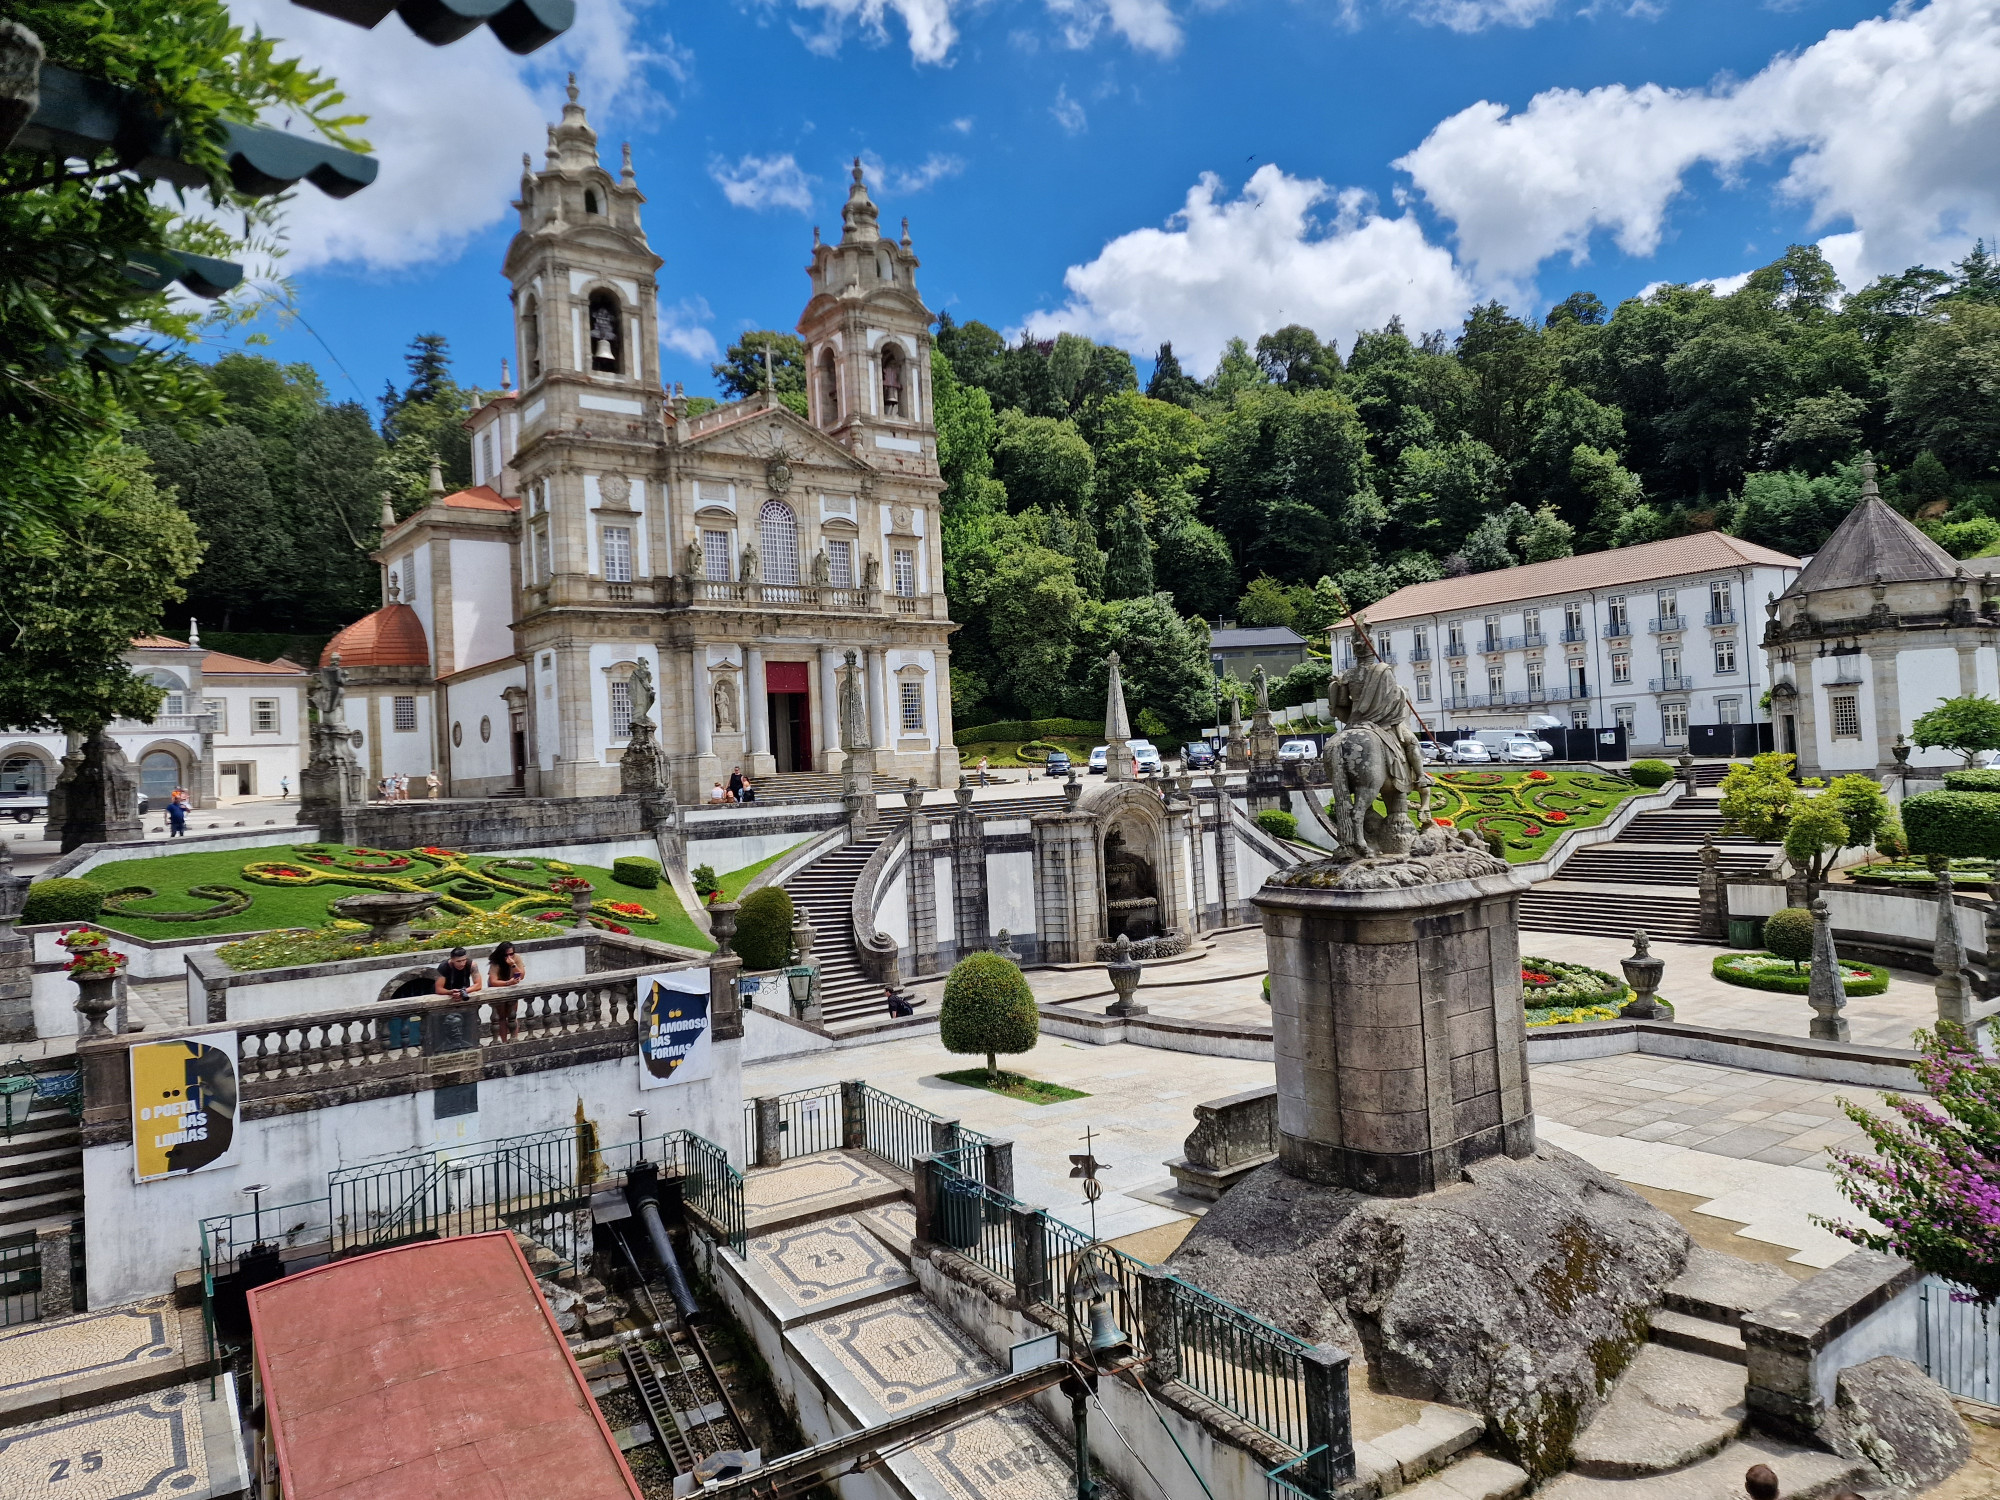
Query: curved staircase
[{"x": 824, "y": 890}]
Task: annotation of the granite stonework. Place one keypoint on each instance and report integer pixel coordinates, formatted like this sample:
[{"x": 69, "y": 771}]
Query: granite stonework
[
  {"x": 486, "y": 822},
  {"x": 1400, "y": 1042}
]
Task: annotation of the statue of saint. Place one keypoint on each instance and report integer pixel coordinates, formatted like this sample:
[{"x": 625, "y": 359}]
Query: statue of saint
[
  {"x": 1374, "y": 755},
  {"x": 871, "y": 572},
  {"x": 641, "y": 689},
  {"x": 853, "y": 707},
  {"x": 332, "y": 695},
  {"x": 1261, "y": 685},
  {"x": 725, "y": 704},
  {"x": 694, "y": 563},
  {"x": 748, "y": 574},
  {"x": 822, "y": 569}
]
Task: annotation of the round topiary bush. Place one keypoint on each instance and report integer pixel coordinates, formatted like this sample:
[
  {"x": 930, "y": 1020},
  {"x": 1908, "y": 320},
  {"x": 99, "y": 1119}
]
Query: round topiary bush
[
  {"x": 1278, "y": 823},
  {"x": 1651, "y": 773},
  {"x": 636, "y": 871},
  {"x": 1789, "y": 934},
  {"x": 987, "y": 1009},
  {"x": 62, "y": 900},
  {"x": 764, "y": 928}
]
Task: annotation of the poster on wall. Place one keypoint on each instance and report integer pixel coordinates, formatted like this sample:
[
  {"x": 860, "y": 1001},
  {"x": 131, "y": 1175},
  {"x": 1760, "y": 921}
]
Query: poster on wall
[
  {"x": 183, "y": 1106},
  {"x": 674, "y": 1045}
]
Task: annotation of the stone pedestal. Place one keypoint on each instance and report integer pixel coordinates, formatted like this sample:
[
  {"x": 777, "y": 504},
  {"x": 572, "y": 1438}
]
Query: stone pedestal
[
  {"x": 332, "y": 787},
  {"x": 642, "y": 770},
  {"x": 17, "y": 958},
  {"x": 1267, "y": 781},
  {"x": 101, "y": 800},
  {"x": 1398, "y": 1030},
  {"x": 857, "y": 787}
]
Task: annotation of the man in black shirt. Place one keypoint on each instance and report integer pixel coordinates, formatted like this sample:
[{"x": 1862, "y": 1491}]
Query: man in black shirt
[{"x": 458, "y": 975}]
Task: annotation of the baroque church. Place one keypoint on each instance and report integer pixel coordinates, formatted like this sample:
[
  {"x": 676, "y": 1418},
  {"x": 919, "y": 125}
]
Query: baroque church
[{"x": 740, "y": 554}]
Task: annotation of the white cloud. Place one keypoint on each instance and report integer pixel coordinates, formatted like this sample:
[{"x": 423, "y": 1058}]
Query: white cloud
[
  {"x": 1891, "y": 126},
  {"x": 933, "y": 169},
  {"x": 1149, "y": 25},
  {"x": 1722, "y": 286},
  {"x": 963, "y": 124},
  {"x": 928, "y": 23},
  {"x": 1069, "y": 114},
  {"x": 681, "y": 329},
  {"x": 447, "y": 124},
  {"x": 1477, "y": 15},
  {"x": 931, "y": 26},
  {"x": 1241, "y": 267},
  {"x": 764, "y": 182}
]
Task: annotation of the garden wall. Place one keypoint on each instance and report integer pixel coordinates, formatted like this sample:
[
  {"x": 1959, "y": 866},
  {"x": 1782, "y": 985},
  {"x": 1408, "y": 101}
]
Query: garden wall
[
  {"x": 489, "y": 823},
  {"x": 1862, "y": 916}
]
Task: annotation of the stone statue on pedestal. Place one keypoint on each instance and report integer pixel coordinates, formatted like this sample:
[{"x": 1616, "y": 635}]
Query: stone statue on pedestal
[
  {"x": 854, "y": 706},
  {"x": 333, "y": 780},
  {"x": 101, "y": 804},
  {"x": 642, "y": 769},
  {"x": 641, "y": 689},
  {"x": 857, "y": 743},
  {"x": 1375, "y": 755}
]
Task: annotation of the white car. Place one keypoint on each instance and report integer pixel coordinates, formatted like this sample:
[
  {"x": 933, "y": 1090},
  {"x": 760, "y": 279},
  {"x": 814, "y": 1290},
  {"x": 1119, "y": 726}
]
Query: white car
[
  {"x": 1298, "y": 750},
  {"x": 1430, "y": 751},
  {"x": 1146, "y": 757},
  {"x": 1469, "y": 752},
  {"x": 1526, "y": 748},
  {"x": 1097, "y": 760}
]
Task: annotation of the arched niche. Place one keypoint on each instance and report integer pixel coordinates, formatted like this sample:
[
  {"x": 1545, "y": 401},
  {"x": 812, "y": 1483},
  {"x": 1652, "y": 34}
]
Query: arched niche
[{"x": 607, "y": 333}]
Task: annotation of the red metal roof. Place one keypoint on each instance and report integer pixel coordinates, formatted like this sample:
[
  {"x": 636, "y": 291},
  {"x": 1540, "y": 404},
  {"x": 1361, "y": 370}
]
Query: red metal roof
[
  {"x": 393, "y": 636},
  {"x": 428, "y": 1370}
]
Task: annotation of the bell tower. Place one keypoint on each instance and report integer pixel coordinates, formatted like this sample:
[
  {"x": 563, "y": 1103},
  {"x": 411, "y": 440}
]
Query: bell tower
[{"x": 868, "y": 341}]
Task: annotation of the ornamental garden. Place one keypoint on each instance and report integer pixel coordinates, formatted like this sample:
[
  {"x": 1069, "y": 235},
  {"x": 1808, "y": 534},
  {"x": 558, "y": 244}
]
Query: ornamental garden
[{"x": 1526, "y": 810}]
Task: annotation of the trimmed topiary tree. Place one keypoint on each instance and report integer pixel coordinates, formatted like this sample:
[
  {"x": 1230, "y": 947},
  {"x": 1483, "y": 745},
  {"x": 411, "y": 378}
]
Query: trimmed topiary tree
[
  {"x": 636, "y": 871},
  {"x": 988, "y": 1009},
  {"x": 764, "y": 928},
  {"x": 1789, "y": 934},
  {"x": 63, "y": 899},
  {"x": 1650, "y": 773}
]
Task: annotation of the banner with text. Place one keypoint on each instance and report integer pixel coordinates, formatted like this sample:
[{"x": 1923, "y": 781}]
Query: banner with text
[
  {"x": 183, "y": 1106},
  {"x": 674, "y": 1044}
]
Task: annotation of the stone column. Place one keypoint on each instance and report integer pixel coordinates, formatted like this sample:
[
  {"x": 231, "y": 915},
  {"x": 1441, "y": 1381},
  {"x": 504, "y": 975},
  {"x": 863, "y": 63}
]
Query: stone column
[
  {"x": 1329, "y": 1420},
  {"x": 1031, "y": 1255},
  {"x": 769, "y": 1147},
  {"x": 1197, "y": 827},
  {"x": 1826, "y": 994},
  {"x": 853, "y": 1115},
  {"x": 1225, "y": 852},
  {"x": 756, "y": 715},
  {"x": 921, "y": 883},
  {"x": 1159, "y": 1311},
  {"x": 1714, "y": 894},
  {"x": 1174, "y": 875},
  {"x": 1000, "y": 1166},
  {"x": 878, "y": 699},
  {"x": 923, "y": 1195},
  {"x": 1400, "y": 1043},
  {"x": 1888, "y": 701},
  {"x": 1068, "y": 899},
  {"x": 52, "y": 1249},
  {"x": 17, "y": 958},
  {"x": 1954, "y": 997},
  {"x": 970, "y": 916},
  {"x": 829, "y": 697}
]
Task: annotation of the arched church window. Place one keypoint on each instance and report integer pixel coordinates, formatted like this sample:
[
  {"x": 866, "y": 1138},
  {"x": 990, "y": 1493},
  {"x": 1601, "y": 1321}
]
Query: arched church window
[
  {"x": 177, "y": 696},
  {"x": 778, "y": 537},
  {"x": 892, "y": 380},
  {"x": 607, "y": 335},
  {"x": 590, "y": 200},
  {"x": 829, "y": 388},
  {"x": 531, "y": 339}
]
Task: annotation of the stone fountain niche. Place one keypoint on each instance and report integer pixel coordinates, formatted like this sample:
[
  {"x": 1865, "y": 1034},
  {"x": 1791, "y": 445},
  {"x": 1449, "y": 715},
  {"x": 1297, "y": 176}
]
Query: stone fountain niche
[{"x": 1131, "y": 890}]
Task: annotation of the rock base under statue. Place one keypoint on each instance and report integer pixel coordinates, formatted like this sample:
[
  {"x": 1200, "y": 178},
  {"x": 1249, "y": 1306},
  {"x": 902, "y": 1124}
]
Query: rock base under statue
[
  {"x": 100, "y": 796},
  {"x": 1519, "y": 1292}
]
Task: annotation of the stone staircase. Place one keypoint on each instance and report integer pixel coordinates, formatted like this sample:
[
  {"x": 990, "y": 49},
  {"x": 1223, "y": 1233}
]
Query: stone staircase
[
  {"x": 1685, "y": 823},
  {"x": 1674, "y": 1426},
  {"x": 1623, "y": 864},
  {"x": 798, "y": 786},
  {"x": 41, "y": 1170},
  {"x": 824, "y": 890},
  {"x": 1668, "y": 916}
]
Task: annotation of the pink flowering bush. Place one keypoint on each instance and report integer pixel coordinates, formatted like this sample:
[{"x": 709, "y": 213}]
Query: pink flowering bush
[{"x": 1934, "y": 1185}]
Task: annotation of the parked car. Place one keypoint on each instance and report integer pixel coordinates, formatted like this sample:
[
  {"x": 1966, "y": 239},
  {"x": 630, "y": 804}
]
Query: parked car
[
  {"x": 1097, "y": 760},
  {"x": 1523, "y": 747},
  {"x": 1198, "y": 755},
  {"x": 1469, "y": 752},
  {"x": 1057, "y": 764},
  {"x": 1298, "y": 750},
  {"x": 1145, "y": 758},
  {"x": 1431, "y": 751}
]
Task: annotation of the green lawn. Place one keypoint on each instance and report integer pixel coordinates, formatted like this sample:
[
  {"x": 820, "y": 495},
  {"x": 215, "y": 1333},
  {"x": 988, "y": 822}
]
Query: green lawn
[
  {"x": 737, "y": 881},
  {"x": 1528, "y": 808},
  {"x": 173, "y": 877},
  {"x": 1014, "y": 1086}
]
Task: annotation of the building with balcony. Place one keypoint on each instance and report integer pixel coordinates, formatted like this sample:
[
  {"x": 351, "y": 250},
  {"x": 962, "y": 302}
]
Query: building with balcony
[
  {"x": 1643, "y": 638},
  {"x": 740, "y": 553},
  {"x": 227, "y": 727},
  {"x": 1881, "y": 625}
]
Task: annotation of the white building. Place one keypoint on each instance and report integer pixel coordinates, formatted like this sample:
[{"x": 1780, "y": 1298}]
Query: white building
[
  {"x": 1881, "y": 625},
  {"x": 228, "y": 727},
  {"x": 1651, "y": 639}
]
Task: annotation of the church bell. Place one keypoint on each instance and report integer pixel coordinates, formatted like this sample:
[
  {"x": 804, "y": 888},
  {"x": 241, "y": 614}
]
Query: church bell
[
  {"x": 601, "y": 351},
  {"x": 1109, "y": 1344}
]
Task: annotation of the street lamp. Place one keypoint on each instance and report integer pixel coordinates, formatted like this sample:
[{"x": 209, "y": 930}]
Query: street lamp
[{"x": 640, "y": 1116}]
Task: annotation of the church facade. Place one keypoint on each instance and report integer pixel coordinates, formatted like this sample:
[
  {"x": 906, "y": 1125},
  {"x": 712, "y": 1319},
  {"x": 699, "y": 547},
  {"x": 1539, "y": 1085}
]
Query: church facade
[{"x": 740, "y": 553}]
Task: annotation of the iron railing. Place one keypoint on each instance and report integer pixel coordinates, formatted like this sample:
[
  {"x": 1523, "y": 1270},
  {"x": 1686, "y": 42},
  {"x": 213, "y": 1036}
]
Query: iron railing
[
  {"x": 1958, "y": 1343},
  {"x": 896, "y": 1130},
  {"x": 529, "y": 1182},
  {"x": 1570, "y": 634},
  {"x": 1664, "y": 624},
  {"x": 1720, "y": 617},
  {"x": 1617, "y": 630},
  {"x": 809, "y": 1122}
]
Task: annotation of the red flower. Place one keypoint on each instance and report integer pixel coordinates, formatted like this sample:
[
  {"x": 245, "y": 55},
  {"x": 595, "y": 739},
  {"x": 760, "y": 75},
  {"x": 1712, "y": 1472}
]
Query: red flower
[
  {"x": 1530, "y": 976},
  {"x": 1531, "y": 831},
  {"x": 1444, "y": 822},
  {"x": 1538, "y": 776},
  {"x": 550, "y": 916},
  {"x": 1557, "y": 816},
  {"x": 629, "y": 908},
  {"x": 614, "y": 927}
]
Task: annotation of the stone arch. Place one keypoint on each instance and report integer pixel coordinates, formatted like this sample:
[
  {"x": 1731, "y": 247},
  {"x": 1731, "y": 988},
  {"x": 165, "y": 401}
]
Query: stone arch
[
  {"x": 27, "y": 768},
  {"x": 829, "y": 387},
  {"x": 531, "y": 337},
  {"x": 153, "y": 772},
  {"x": 404, "y": 986},
  {"x": 1135, "y": 867}
]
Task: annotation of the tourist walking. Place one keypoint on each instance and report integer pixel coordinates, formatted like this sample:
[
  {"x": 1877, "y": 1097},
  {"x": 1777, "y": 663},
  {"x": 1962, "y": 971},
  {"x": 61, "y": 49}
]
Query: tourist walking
[
  {"x": 982, "y": 770},
  {"x": 284, "y": 788},
  {"x": 177, "y": 814}
]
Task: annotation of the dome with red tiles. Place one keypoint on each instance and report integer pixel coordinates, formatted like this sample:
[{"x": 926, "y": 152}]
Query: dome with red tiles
[{"x": 391, "y": 637}]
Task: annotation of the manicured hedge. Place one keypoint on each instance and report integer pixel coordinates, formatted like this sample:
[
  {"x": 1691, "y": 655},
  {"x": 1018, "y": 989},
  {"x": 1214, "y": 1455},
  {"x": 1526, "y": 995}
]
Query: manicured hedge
[
  {"x": 1026, "y": 729},
  {"x": 1784, "y": 982},
  {"x": 764, "y": 928},
  {"x": 638, "y": 872},
  {"x": 63, "y": 900},
  {"x": 1651, "y": 773},
  {"x": 1278, "y": 823},
  {"x": 1789, "y": 934},
  {"x": 1972, "y": 781},
  {"x": 1963, "y": 825}
]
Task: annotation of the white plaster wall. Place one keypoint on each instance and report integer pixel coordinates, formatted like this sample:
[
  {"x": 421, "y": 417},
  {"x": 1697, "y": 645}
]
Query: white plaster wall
[
  {"x": 941, "y": 893},
  {"x": 469, "y": 700},
  {"x": 766, "y": 1038},
  {"x": 547, "y": 711},
  {"x": 415, "y": 571},
  {"x": 410, "y": 752},
  {"x": 1985, "y": 672},
  {"x": 482, "y": 604},
  {"x": 1010, "y": 891},
  {"x": 1845, "y": 755},
  {"x": 893, "y": 916},
  {"x": 310, "y": 994},
  {"x": 1890, "y": 1329},
  {"x": 294, "y": 1153},
  {"x": 1912, "y": 918},
  {"x": 1252, "y": 869},
  {"x": 726, "y": 854},
  {"x": 1923, "y": 679}
]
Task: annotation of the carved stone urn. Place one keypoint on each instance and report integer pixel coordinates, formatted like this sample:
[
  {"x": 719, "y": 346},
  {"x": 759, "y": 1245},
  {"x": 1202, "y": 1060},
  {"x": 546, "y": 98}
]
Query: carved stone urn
[
  {"x": 1124, "y": 971},
  {"x": 1643, "y": 971}
]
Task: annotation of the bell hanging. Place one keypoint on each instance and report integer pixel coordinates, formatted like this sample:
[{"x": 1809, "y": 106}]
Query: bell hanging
[
  {"x": 602, "y": 352},
  {"x": 1108, "y": 1342}
]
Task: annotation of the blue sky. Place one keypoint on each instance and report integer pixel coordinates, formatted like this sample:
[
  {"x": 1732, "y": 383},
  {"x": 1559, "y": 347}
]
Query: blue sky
[{"x": 1347, "y": 161}]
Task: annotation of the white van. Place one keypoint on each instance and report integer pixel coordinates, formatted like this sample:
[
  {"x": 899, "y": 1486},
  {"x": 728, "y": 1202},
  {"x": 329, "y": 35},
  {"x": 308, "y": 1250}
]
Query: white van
[{"x": 1516, "y": 745}]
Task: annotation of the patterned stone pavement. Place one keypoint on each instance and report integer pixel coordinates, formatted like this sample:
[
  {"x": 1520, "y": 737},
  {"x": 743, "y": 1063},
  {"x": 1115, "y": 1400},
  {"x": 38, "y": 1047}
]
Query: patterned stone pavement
[
  {"x": 829, "y": 1181},
  {"x": 106, "y": 1344},
  {"x": 172, "y": 1443},
  {"x": 829, "y": 1261}
]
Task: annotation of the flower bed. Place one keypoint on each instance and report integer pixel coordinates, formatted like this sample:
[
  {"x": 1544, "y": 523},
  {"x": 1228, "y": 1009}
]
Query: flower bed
[
  {"x": 1547, "y": 984},
  {"x": 330, "y": 944},
  {"x": 1916, "y": 872},
  {"x": 1528, "y": 810},
  {"x": 1766, "y": 971},
  {"x": 1569, "y": 1015}
]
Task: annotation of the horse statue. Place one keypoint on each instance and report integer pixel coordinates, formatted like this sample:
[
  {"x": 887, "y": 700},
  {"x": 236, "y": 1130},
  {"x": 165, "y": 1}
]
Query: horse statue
[{"x": 1373, "y": 757}]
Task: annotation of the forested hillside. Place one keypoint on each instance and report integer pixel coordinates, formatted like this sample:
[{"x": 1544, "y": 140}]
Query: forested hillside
[{"x": 1084, "y": 514}]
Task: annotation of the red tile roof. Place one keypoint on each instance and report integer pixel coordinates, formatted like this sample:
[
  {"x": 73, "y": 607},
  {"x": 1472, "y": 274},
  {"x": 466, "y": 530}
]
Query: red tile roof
[
  {"x": 481, "y": 497},
  {"x": 430, "y": 1369},
  {"x": 1704, "y": 552},
  {"x": 159, "y": 643},
  {"x": 222, "y": 662},
  {"x": 391, "y": 637}
]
